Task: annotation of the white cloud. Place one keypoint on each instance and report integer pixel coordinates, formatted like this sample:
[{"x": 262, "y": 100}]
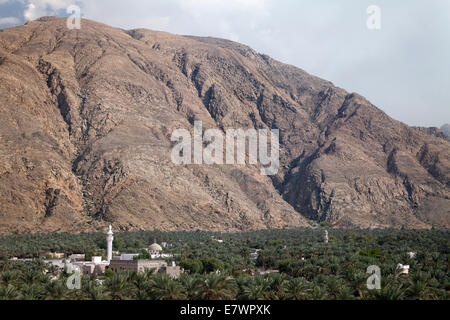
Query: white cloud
[
  {"x": 158, "y": 22},
  {"x": 9, "y": 20},
  {"x": 403, "y": 68},
  {"x": 260, "y": 5},
  {"x": 38, "y": 8}
]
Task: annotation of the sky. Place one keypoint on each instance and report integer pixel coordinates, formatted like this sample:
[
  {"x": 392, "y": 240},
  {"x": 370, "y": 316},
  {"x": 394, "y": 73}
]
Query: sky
[{"x": 403, "y": 67}]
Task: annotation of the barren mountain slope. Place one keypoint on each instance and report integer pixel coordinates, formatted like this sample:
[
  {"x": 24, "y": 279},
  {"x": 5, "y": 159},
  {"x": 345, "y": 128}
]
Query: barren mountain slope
[{"x": 86, "y": 118}]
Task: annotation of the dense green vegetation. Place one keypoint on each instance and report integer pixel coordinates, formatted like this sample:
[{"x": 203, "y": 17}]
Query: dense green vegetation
[{"x": 309, "y": 268}]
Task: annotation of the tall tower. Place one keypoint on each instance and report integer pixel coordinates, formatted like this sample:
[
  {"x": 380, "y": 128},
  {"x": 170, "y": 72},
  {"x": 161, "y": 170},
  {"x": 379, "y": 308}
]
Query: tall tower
[
  {"x": 325, "y": 237},
  {"x": 109, "y": 240}
]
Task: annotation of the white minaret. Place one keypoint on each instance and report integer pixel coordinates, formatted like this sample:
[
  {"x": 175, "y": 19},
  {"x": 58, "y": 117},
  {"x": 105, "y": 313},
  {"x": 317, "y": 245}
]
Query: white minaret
[
  {"x": 325, "y": 237},
  {"x": 109, "y": 239}
]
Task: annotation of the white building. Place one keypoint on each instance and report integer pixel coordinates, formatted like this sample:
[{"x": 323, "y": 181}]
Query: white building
[
  {"x": 404, "y": 269},
  {"x": 77, "y": 257},
  {"x": 254, "y": 255},
  {"x": 96, "y": 259},
  {"x": 154, "y": 249},
  {"x": 161, "y": 255},
  {"x": 128, "y": 256},
  {"x": 109, "y": 239},
  {"x": 218, "y": 240},
  {"x": 96, "y": 266},
  {"x": 59, "y": 263}
]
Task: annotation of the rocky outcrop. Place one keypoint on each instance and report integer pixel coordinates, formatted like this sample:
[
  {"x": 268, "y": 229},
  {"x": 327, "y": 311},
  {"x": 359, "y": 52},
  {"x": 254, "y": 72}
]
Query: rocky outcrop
[
  {"x": 436, "y": 132},
  {"x": 87, "y": 115}
]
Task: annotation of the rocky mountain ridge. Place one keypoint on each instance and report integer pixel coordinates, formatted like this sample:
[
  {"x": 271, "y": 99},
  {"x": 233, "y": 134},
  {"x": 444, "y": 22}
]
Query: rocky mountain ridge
[{"x": 87, "y": 115}]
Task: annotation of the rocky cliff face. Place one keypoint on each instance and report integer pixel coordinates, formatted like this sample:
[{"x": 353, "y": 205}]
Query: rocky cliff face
[{"x": 87, "y": 116}]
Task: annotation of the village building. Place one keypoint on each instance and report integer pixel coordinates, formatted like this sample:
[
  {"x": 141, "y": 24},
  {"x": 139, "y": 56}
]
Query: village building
[
  {"x": 142, "y": 265},
  {"x": 26, "y": 260},
  {"x": 165, "y": 244},
  {"x": 265, "y": 272},
  {"x": 217, "y": 240},
  {"x": 404, "y": 269},
  {"x": 127, "y": 256},
  {"x": 254, "y": 255},
  {"x": 173, "y": 270},
  {"x": 55, "y": 255},
  {"x": 154, "y": 249},
  {"x": 124, "y": 262},
  {"x": 59, "y": 263},
  {"x": 94, "y": 267},
  {"x": 77, "y": 257}
]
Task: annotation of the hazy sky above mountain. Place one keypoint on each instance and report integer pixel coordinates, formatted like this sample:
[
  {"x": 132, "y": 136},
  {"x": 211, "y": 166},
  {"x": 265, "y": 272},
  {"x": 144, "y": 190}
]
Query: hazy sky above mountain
[{"x": 403, "y": 68}]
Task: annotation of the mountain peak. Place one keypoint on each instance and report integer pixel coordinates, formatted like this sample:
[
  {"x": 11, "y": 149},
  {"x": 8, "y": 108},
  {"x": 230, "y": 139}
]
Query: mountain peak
[{"x": 85, "y": 139}]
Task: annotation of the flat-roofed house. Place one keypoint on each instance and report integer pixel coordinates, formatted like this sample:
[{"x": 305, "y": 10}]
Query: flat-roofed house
[
  {"x": 94, "y": 267},
  {"x": 141, "y": 265},
  {"x": 77, "y": 257}
]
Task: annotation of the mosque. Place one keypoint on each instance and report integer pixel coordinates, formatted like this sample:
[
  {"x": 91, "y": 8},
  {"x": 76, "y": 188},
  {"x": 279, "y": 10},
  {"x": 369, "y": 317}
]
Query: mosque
[
  {"x": 127, "y": 262},
  {"x": 124, "y": 262},
  {"x": 154, "y": 249}
]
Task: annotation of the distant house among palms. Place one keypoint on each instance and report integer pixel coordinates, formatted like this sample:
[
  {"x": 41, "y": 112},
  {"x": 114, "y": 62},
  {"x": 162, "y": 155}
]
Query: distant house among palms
[
  {"x": 404, "y": 269},
  {"x": 55, "y": 255},
  {"x": 254, "y": 255}
]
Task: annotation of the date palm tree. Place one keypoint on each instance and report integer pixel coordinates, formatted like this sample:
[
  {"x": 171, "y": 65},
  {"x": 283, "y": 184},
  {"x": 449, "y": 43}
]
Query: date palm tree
[
  {"x": 8, "y": 277},
  {"x": 93, "y": 291},
  {"x": 30, "y": 276},
  {"x": 334, "y": 286},
  {"x": 8, "y": 292},
  {"x": 390, "y": 291},
  {"x": 163, "y": 287},
  {"x": 420, "y": 287},
  {"x": 358, "y": 282},
  {"x": 278, "y": 286},
  {"x": 31, "y": 292},
  {"x": 345, "y": 293},
  {"x": 192, "y": 285},
  {"x": 418, "y": 290},
  {"x": 117, "y": 286},
  {"x": 218, "y": 287},
  {"x": 141, "y": 284},
  {"x": 256, "y": 289},
  {"x": 297, "y": 289},
  {"x": 318, "y": 293},
  {"x": 55, "y": 290}
]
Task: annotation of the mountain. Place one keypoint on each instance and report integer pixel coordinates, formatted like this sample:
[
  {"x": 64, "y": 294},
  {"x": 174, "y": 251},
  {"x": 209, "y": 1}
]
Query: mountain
[
  {"x": 434, "y": 131},
  {"x": 446, "y": 129},
  {"x": 85, "y": 139}
]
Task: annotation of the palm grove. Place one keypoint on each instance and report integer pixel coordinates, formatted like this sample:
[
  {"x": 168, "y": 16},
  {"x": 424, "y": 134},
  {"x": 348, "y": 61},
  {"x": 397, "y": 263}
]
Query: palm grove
[{"x": 308, "y": 268}]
